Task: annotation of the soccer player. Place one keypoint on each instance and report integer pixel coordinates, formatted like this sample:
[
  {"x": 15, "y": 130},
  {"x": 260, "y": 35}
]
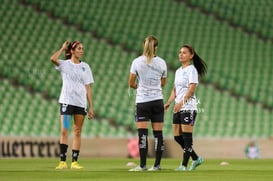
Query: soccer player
[
  {"x": 185, "y": 108},
  {"x": 148, "y": 74},
  {"x": 76, "y": 92},
  {"x": 252, "y": 150}
]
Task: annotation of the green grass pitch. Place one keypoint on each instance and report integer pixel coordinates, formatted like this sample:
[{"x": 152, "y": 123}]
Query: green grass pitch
[{"x": 105, "y": 169}]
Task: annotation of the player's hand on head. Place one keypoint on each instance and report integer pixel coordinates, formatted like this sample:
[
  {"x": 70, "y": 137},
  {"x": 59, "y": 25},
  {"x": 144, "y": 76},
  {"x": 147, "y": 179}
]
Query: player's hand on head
[{"x": 65, "y": 45}]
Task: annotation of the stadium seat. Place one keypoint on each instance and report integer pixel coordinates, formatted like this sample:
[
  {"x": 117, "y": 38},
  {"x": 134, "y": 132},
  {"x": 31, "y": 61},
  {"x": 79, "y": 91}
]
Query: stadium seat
[{"x": 230, "y": 91}]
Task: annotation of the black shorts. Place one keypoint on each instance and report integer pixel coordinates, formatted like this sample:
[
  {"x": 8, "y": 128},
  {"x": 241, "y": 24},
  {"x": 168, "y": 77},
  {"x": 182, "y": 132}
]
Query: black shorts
[
  {"x": 185, "y": 117},
  {"x": 153, "y": 110},
  {"x": 66, "y": 109}
]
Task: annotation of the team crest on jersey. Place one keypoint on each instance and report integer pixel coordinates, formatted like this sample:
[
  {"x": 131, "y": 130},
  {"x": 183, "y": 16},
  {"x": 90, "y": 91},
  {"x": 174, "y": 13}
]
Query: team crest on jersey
[{"x": 83, "y": 69}]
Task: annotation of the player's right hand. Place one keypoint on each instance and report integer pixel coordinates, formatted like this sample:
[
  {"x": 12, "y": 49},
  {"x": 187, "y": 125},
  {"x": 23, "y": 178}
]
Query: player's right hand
[{"x": 65, "y": 45}]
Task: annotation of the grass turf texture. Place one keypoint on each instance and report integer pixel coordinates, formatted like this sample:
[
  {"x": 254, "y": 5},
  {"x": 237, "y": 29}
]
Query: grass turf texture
[{"x": 115, "y": 169}]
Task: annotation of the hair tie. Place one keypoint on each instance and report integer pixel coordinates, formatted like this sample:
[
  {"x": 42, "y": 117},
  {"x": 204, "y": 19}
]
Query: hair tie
[{"x": 74, "y": 44}]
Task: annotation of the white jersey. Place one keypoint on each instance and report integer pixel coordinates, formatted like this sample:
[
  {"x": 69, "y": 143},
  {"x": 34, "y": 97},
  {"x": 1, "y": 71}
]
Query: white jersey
[
  {"x": 75, "y": 77},
  {"x": 253, "y": 152},
  {"x": 149, "y": 78},
  {"x": 183, "y": 78}
]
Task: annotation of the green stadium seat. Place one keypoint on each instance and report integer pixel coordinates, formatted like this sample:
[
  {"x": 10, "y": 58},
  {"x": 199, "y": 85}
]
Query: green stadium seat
[{"x": 126, "y": 25}]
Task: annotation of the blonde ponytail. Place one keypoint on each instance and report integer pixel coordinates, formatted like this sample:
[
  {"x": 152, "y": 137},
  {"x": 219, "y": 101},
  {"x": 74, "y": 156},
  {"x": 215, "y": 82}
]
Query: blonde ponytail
[{"x": 150, "y": 45}]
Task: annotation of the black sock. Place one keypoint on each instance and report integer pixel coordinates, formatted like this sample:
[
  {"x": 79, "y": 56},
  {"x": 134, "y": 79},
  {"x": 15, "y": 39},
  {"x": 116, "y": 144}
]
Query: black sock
[
  {"x": 180, "y": 141},
  {"x": 186, "y": 156},
  {"x": 75, "y": 154},
  {"x": 188, "y": 148},
  {"x": 159, "y": 147},
  {"x": 194, "y": 156},
  {"x": 63, "y": 150},
  {"x": 143, "y": 146}
]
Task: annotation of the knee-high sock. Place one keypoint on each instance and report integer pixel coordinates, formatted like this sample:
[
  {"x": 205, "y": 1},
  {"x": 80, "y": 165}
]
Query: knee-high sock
[
  {"x": 143, "y": 146},
  {"x": 180, "y": 140},
  {"x": 159, "y": 146},
  {"x": 188, "y": 148},
  {"x": 194, "y": 156}
]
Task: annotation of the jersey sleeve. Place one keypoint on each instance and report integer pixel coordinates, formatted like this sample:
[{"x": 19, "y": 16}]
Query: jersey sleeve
[
  {"x": 164, "y": 75},
  {"x": 60, "y": 66},
  {"x": 133, "y": 68},
  {"x": 89, "y": 76},
  {"x": 193, "y": 76}
]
